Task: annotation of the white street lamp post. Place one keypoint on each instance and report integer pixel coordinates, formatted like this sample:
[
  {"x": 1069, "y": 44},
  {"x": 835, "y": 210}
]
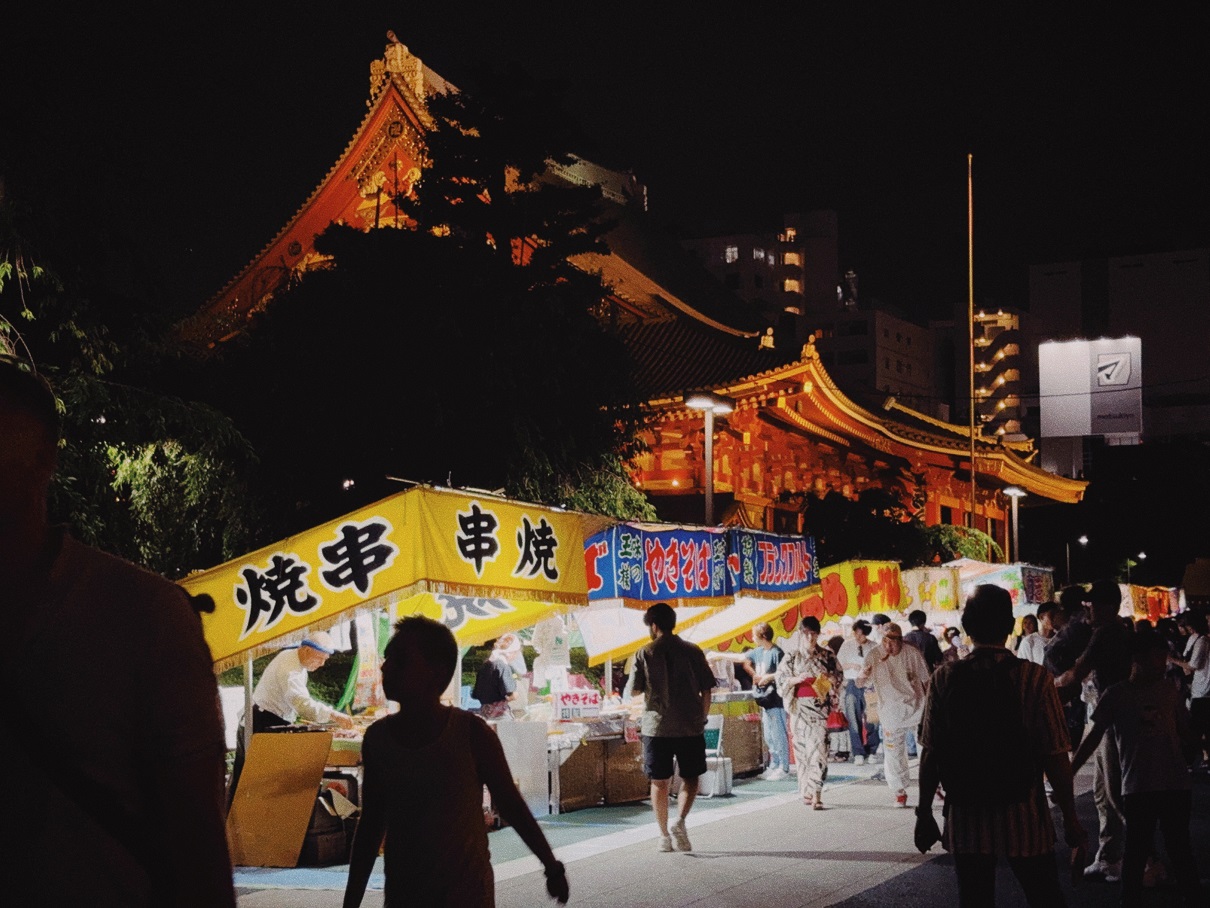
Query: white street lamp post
[
  {"x": 1083, "y": 540},
  {"x": 1015, "y": 494},
  {"x": 710, "y": 404}
]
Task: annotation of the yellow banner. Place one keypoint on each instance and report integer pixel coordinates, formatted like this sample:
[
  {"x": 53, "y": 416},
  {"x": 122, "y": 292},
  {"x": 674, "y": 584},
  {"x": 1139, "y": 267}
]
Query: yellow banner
[
  {"x": 470, "y": 549},
  {"x": 931, "y": 589},
  {"x": 850, "y": 588}
]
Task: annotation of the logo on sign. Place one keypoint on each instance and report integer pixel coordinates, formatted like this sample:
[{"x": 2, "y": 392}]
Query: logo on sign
[{"x": 1113, "y": 369}]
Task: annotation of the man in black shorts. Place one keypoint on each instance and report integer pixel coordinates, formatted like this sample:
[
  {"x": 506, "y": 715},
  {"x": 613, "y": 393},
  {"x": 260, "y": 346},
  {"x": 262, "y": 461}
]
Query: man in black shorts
[{"x": 677, "y": 681}]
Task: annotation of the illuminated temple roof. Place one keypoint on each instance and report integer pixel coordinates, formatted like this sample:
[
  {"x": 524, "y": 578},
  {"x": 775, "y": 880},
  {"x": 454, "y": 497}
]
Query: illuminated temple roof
[{"x": 685, "y": 330}]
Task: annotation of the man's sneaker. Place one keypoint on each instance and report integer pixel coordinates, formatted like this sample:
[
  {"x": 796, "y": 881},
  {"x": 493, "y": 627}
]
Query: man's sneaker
[
  {"x": 859, "y": 760},
  {"x": 682, "y": 838},
  {"x": 665, "y": 843},
  {"x": 901, "y": 798},
  {"x": 775, "y": 774}
]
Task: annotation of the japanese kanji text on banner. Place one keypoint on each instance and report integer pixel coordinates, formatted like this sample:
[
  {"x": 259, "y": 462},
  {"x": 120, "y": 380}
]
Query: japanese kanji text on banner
[{"x": 457, "y": 547}]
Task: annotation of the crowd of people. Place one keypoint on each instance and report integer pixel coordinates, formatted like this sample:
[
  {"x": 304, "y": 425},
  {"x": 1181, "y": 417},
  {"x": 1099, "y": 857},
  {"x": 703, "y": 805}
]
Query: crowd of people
[{"x": 135, "y": 794}]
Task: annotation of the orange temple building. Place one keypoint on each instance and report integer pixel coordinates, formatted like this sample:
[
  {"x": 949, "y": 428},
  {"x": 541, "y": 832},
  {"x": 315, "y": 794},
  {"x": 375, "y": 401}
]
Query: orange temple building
[{"x": 792, "y": 432}]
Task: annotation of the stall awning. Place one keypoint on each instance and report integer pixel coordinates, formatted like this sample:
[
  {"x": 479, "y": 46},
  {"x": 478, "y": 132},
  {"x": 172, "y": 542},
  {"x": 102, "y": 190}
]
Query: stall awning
[
  {"x": 615, "y": 632},
  {"x": 483, "y": 565}
]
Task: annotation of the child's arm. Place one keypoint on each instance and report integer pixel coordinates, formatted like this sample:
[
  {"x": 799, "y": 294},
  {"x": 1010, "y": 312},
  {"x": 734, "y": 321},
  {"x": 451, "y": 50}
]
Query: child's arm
[
  {"x": 371, "y": 828},
  {"x": 493, "y": 769}
]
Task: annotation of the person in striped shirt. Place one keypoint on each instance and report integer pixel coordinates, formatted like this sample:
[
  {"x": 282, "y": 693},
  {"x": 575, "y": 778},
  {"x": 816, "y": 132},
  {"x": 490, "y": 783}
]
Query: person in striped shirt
[{"x": 978, "y": 829}]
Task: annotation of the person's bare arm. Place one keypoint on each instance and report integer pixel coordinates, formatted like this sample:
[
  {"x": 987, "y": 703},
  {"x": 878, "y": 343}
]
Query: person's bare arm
[
  {"x": 927, "y": 833},
  {"x": 371, "y": 828},
  {"x": 1059, "y": 771},
  {"x": 493, "y": 769},
  {"x": 1086, "y": 748},
  {"x": 706, "y": 700}
]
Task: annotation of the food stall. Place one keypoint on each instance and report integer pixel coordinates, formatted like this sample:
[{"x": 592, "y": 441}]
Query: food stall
[
  {"x": 482, "y": 565},
  {"x": 721, "y": 582}
]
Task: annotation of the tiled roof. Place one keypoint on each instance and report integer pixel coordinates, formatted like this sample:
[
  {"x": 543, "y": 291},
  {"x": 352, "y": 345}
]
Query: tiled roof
[{"x": 679, "y": 355}]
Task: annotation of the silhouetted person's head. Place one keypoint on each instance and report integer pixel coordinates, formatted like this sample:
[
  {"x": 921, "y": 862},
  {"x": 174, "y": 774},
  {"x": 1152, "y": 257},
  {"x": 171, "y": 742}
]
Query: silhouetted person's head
[
  {"x": 1105, "y": 597},
  {"x": 988, "y": 616},
  {"x": 660, "y": 616},
  {"x": 419, "y": 660},
  {"x": 917, "y": 618}
]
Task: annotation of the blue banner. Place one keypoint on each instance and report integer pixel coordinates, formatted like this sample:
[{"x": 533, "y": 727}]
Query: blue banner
[
  {"x": 691, "y": 565},
  {"x": 773, "y": 565}
]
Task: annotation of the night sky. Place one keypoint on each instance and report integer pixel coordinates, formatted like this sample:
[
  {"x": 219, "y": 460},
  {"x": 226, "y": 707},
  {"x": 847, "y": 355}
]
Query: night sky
[{"x": 189, "y": 138}]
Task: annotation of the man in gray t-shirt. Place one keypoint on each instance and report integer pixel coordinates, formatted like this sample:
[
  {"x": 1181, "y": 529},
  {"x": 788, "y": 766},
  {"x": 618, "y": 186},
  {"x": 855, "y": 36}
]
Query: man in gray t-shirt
[{"x": 676, "y": 679}]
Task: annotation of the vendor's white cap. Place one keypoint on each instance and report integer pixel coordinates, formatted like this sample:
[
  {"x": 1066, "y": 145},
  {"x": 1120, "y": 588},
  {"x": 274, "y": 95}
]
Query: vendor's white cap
[{"x": 322, "y": 641}]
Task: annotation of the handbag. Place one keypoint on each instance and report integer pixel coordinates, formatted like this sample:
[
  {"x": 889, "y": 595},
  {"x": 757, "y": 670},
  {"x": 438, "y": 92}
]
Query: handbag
[
  {"x": 837, "y": 721},
  {"x": 767, "y": 697}
]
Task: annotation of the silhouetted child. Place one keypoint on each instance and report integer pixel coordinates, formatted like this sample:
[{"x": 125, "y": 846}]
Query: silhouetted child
[
  {"x": 1151, "y": 726},
  {"x": 424, "y": 771}
]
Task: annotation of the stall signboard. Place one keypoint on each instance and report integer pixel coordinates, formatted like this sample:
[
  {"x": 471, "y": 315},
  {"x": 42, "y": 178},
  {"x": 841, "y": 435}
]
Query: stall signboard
[
  {"x": 850, "y": 588},
  {"x": 479, "y": 558},
  {"x": 640, "y": 565},
  {"x": 645, "y": 565},
  {"x": 931, "y": 589},
  {"x": 1027, "y": 584},
  {"x": 1152, "y": 602},
  {"x": 570, "y": 705},
  {"x": 769, "y": 565}
]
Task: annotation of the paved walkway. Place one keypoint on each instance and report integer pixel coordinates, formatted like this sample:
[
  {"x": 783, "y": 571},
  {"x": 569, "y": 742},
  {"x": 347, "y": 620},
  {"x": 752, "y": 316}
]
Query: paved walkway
[{"x": 759, "y": 847}]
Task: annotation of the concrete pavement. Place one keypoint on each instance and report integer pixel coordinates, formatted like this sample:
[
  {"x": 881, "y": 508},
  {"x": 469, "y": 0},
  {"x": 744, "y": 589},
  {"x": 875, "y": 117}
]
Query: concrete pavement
[{"x": 759, "y": 847}]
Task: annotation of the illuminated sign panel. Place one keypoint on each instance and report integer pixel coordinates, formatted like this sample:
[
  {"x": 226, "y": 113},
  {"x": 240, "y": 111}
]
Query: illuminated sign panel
[{"x": 1091, "y": 387}]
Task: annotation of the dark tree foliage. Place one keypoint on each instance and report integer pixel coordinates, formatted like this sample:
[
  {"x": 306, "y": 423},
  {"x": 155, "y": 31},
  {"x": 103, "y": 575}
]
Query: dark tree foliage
[
  {"x": 878, "y": 526},
  {"x": 461, "y": 352},
  {"x": 142, "y": 473}
]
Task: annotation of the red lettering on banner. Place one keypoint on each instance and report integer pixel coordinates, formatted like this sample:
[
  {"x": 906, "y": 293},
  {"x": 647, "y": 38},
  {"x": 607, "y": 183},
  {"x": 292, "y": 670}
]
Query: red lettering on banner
[
  {"x": 704, "y": 556},
  {"x": 865, "y": 592},
  {"x": 835, "y": 596},
  {"x": 688, "y": 574},
  {"x": 790, "y": 619},
  {"x": 888, "y": 580},
  {"x": 661, "y": 565},
  {"x": 768, "y": 561},
  {"x": 592, "y": 555}
]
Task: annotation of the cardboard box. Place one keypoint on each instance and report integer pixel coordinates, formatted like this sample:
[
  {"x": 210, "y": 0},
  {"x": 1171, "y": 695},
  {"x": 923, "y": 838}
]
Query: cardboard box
[
  {"x": 344, "y": 752},
  {"x": 743, "y": 743},
  {"x": 582, "y": 777},
  {"x": 323, "y": 849},
  {"x": 625, "y": 781}
]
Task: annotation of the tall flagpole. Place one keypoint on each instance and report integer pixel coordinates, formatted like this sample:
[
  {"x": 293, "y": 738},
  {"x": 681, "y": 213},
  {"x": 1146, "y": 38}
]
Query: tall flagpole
[{"x": 970, "y": 315}]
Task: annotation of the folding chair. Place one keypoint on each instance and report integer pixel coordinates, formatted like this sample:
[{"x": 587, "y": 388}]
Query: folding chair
[{"x": 714, "y": 754}]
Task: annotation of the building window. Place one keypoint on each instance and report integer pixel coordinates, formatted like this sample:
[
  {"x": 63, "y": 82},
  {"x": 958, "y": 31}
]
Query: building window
[
  {"x": 757, "y": 281},
  {"x": 789, "y": 236},
  {"x": 898, "y": 366},
  {"x": 791, "y": 285},
  {"x": 731, "y": 254},
  {"x": 758, "y": 254},
  {"x": 791, "y": 258}
]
